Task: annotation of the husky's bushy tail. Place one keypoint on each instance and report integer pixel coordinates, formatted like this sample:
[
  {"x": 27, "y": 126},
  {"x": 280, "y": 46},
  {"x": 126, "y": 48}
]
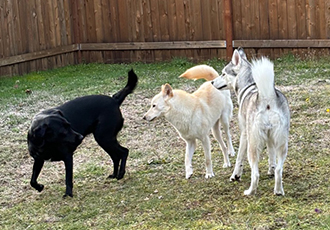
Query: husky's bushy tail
[
  {"x": 130, "y": 86},
  {"x": 200, "y": 72},
  {"x": 263, "y": 75}
]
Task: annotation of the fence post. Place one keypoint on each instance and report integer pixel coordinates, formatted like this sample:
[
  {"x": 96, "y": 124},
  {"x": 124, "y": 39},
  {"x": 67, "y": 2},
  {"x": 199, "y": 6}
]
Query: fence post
[{"x": 229, "y": 28}]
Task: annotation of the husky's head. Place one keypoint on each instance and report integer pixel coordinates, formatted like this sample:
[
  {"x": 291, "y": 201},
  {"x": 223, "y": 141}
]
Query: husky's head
[
  {"x": 159, "y": 104},
  {"x": 227, "y": 80}
]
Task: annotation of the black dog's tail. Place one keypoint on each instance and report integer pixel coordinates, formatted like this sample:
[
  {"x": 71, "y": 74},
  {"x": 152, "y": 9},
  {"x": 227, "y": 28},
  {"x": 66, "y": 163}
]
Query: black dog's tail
[{"x": 130, "y": 86}]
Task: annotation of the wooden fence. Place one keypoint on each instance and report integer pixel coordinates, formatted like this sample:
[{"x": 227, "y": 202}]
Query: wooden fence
[{"x": 43, "y": 34}]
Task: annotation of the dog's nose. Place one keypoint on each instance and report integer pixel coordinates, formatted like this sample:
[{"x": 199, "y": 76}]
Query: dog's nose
[{"x": 144, "y": 118}]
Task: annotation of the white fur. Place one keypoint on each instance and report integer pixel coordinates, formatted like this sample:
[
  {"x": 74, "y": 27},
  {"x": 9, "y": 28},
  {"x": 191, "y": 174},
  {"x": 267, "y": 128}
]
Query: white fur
[
  {"x": 193, "y": 116},
  {"x": 263, "y": 75}
]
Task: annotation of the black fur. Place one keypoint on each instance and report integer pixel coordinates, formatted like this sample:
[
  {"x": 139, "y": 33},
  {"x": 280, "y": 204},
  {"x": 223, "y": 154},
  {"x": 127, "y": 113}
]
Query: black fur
[{"x": 56, "y": 133}]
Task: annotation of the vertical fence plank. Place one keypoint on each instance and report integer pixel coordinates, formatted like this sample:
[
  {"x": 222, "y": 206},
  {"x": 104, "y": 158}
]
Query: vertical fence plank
[
  {"x": 98, "y": 21},
  {"x": 155, "y": 22},
  {"x": 229, "y": 29},
  {"x": 4, "y": 12},
  {"x": 98, "y": 55},
  {"x": 41, "y": 32},
  {"x": 107, "y": 29},
  {"x": 11, "y": 33},
  {"x": 123, "y": 27},
  {"x": 164, "y": 30},
  {"x": 321, "y": 24},
  {"x": 264, "y": 32},
  {"x": 327, "y": 18},
  {"x": 292, "y": 20},
  {"x": 114, "y": 32},
  {"x": 172, "y": 24},
  {"x": 273, "y": 24},
  {"x": 180, "y": 20},
  {"x": 213, "y": 17},
  {"x": 311, "y": 17}
]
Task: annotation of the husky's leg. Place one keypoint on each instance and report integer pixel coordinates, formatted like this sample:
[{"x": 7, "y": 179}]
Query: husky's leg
[
  {"x": 281, "y": 154},
  {"x": 225, "y": 124},
  {"x": 238, "y": 171},
  {"x": 256, "y": 143},
  {"x": 207, "y": 152},
  {"x": 217, "y": 134},
  {"x": 190, "y": 149},
  {"x": 272, "y": 157}
]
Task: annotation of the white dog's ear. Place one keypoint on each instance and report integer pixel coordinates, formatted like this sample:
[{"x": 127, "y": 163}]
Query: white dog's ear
[
  {"x": 236, "y": 58},
  {"x": 167, "y": 91}
]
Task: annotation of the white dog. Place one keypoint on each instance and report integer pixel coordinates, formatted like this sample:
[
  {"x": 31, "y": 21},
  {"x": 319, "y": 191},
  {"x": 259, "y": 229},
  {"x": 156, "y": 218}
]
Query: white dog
[
  {"x": 194, "y": 115},
  {"x": 264, "y": 116}
]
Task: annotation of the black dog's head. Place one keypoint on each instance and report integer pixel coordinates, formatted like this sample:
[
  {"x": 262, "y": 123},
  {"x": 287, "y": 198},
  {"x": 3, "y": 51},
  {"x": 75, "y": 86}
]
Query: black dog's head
[{"x": 50, "y": 135}]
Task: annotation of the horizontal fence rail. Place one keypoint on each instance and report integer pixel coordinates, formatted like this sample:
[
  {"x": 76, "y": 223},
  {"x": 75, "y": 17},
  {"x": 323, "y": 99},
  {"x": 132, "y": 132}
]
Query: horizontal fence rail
[{"x": 321, "y": 43}]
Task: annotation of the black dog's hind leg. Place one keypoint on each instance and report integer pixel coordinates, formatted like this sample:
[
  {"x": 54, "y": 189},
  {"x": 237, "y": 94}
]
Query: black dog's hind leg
[
  {"x": 117, "y": 154},
  {"x": 37, "y": 166},
  {"x": 68, "y": 162},
  {"x": 122, "y": 169},
  {"x": 115, "y": 161}
]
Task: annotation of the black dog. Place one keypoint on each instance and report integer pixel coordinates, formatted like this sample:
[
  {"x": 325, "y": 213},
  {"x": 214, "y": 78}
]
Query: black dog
[{"x": 56, "y": 133}]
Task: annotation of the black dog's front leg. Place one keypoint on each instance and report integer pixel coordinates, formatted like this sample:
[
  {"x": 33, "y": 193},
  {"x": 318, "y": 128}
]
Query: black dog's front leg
[
  {"x": 37, "y": 166},
  {"x": 68, "y": 162}
]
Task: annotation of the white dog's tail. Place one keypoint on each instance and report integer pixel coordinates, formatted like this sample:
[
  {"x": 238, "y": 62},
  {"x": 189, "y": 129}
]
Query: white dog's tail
[
  {"x": 200, "y": 72},
  {"x": 263, "y": 75}
]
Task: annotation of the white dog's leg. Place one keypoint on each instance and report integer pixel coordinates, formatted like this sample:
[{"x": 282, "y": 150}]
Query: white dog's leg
[
  {"x": 281, "y": 155},
  {"x": 190, "y": 149},
  {"x": 225, "y": 123},
  {"x": 217, "y": 134},
  {"x": 238, "y": 171},
  {"x": 272, "y": 158},
  {"x": 208, "y": 161},
  {"x": 253, "y": 157}
]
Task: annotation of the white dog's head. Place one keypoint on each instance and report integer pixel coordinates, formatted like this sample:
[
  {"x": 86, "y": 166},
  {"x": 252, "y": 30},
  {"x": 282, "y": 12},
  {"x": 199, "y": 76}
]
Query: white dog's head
[
  {"x": 159, "y": 104},
  {"x": 228, "y": 77}
]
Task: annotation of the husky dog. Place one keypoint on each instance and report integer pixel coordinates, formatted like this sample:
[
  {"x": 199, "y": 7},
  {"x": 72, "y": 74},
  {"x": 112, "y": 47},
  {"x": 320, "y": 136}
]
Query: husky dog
[
  {"x": 194, "y": 115},
  {"x": 264, "y": 116}
]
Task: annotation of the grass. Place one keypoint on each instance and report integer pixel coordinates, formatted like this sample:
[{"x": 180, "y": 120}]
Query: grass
[{"x": 154, "y": 193}]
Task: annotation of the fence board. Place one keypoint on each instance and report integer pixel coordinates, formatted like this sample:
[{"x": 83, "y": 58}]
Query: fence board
[{"x": 327, "y": 18}]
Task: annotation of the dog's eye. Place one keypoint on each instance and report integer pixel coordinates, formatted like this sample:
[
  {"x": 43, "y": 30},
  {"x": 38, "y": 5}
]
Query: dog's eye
[{"x": 153, "y": 106}]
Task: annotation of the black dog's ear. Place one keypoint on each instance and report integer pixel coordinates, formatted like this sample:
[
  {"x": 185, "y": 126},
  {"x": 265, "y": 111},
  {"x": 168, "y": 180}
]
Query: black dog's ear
[
  {"x": 56, "y": 112},
  {"x": 39, "y": 131},
  {"x": 53, "y": 112}
]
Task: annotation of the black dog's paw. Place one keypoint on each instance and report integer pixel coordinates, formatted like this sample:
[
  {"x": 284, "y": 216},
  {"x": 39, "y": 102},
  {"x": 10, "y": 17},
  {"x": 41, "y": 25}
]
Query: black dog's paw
[
  {"x": 120, "y": 175},
  {"x": 112, "y": 176},
  {"x": 38, "y": 187},
  {"x": 66, "y": 195}
]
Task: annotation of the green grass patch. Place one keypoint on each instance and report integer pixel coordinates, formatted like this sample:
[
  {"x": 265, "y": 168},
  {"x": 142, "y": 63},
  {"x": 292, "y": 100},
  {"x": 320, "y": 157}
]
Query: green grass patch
[{"x": 154, "y": 193}]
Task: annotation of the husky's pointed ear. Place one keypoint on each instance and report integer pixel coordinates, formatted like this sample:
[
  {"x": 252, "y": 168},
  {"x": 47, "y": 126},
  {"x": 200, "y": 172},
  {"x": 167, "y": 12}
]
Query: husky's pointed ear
[
  {"x": 236, "y": 58},
  {"x": 241, "y": 52},
  {"x": 167, "y": 91}
]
